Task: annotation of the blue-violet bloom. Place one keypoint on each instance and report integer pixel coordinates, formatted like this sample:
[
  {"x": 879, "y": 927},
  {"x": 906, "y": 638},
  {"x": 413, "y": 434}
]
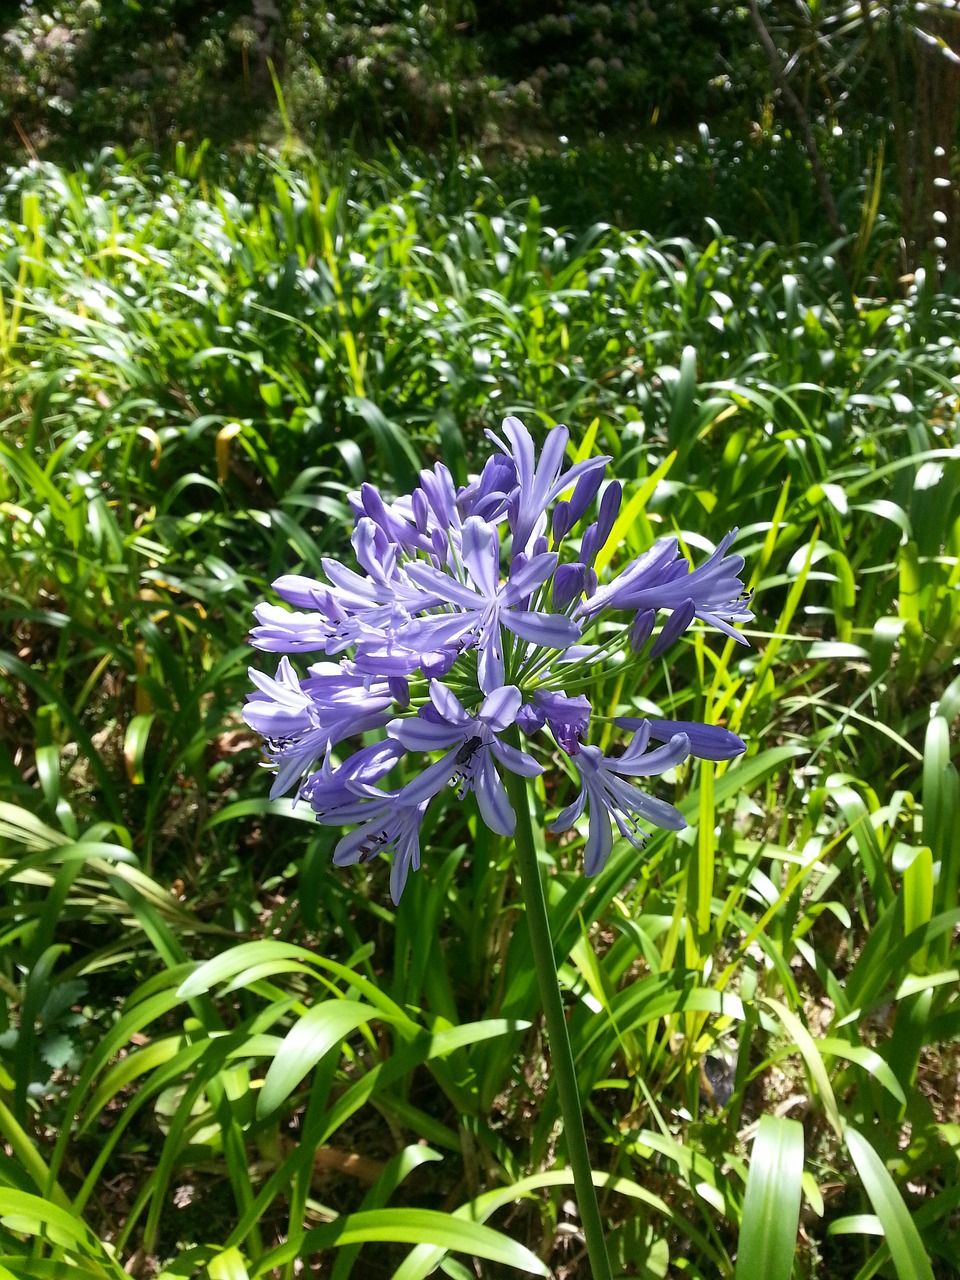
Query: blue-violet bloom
[{"x": 474, "y": 618}]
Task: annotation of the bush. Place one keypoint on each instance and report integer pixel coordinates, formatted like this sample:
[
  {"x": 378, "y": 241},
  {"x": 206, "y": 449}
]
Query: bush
[
  {"x": 596, "y": 63},
  {"x": 114, "y": 70}
]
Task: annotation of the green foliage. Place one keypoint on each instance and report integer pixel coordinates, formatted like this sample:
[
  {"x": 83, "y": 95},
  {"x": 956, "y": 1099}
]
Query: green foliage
[
  {"x": 120, "y": 71},
  {"x": 606, "y": 63},
  {"x": 387, "y": 70},
  {"x": 256, "y": 1054},
  {"x": 78, "y": 68},
  {"x": 891, "y": 71}
]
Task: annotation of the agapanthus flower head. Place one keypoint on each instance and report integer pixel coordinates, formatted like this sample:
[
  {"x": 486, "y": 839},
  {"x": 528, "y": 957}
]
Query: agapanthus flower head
[{"x": 467, "y": 636}]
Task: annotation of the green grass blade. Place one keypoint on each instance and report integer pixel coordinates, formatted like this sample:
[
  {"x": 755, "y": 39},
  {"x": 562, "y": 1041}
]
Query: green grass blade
[
  {"x": 903, "y": 1239},
  {"x": 407, "y": 1226},
  {"x": 318, "y": 1031},
  {"x": 771, "y": 1204}
]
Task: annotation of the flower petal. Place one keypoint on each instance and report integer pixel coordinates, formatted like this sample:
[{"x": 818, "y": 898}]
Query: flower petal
[
  {"x": 499, "y": 708},
  {"x": 528, "y": 575},
  {"x": 516, "y": 761},
  {"x": 707, "y": 741},
  {"x": 417, "y": 734},
  {"x": 568, "y": 816},
  {"x": 632, "y": 800},
  {"x": 674, "y": 627},
  {"x": 599, "y": 841},
  {"x": 444, "y": 586},
  {"x": 480, "y": 552},
  {"x": 647, "y": 764},
  {"x": 432, "y": 781},
  {"x": 448, "y": 704},
  {"x": 551, "y": 630},
  {"x": 407, "y": 854},
  {"x": 492, "y": 797}
]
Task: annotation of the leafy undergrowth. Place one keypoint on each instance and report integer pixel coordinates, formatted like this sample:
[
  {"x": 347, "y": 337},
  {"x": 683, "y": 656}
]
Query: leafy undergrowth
[{"x": 220, "y": 1053}]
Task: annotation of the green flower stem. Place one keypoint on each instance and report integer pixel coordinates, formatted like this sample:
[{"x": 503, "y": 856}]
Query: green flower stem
[{"x": 562, "y": 1055}]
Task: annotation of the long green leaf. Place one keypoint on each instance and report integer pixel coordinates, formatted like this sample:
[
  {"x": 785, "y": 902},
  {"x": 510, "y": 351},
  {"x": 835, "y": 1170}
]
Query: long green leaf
[
  {"x": 407, "y": 1226},
  {"x": 902, "y": 1237},
  {"x": 319, "y": 1030},
  {"x": 771, "y": 1204}
]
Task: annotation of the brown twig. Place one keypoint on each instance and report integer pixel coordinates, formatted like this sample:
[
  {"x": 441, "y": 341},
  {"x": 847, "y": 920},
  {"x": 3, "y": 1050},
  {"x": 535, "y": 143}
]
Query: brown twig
[{"x": 803, "y": 122}]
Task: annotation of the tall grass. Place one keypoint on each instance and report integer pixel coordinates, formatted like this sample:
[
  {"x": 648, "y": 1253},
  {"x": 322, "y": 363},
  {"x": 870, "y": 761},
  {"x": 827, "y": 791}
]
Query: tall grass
[{"x": 218, "y": 1052}]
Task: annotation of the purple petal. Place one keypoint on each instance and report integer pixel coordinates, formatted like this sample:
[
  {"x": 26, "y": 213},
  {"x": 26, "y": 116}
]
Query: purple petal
[
  {"x": 587, "y": 489},
  {"x": 421, "y": 509},
  {"x": 530, "y": 718},
  {"x": 674, "y": 627},
  {"x": 721, "y": 624},
  {"x": 707, "y": 741},
  {"x": 551, "y": 458},
  {"x": 492, "y": 797},
  {"x": 529, "y": 575},
  {"x": 499, "y": 708},
  {"x": 599, "y": 841},
  {"x": 369, "y": 765},
  {"x": 490, "y": 666},
  {"x": 296, "y": 759},
  {"x": 659, "y": 812},
  {"x": 568, "y": 816},
  {"x": 439, "y": 492},
  {"x": 433, "y": 779},
  {"x": 638, "y": 763},
  {"x": 516, "y": 761},
  {"x": 590, "y": 544},
  {"x": 399, "y": 690},
  {"x": 448, "y": 704},
  {"x": 568, "y": 584},
  {"x": 348, "y": 847},
  {"x": 563, "y": 522},
  {"x": 524, "y": 454},
  {"x": 568, "y": 718},
  {"x": 641, "y": 727},
  {"x": 439, "y": 631},
  {"x": 438, "y": 663},
  {"x": 275, "y": 720},
  {"x": 418, "y": 734},
  {"x": 551, "y": 630},
  {"x": 407, "y": 856},
  {"x": 480, "y": 551},
  {"x": 443, "y": 585},
  {"x": 609, "y": 510},
  {"x": 641, "y": 629},
  {"x": 281, "y": 631},
  {"x": 301, "y": 592}
]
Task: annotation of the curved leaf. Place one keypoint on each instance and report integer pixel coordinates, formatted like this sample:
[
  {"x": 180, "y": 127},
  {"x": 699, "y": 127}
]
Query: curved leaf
[
  {"x": 771, "y": 1204},
  {"x": 319, "y": 1030},
  {"x": 903, "y": 1239}
]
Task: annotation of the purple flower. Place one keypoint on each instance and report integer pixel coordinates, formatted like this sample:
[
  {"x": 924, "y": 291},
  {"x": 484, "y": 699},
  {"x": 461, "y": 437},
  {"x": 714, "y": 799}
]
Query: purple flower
[
  {"x": 301, "y": 719},
  {"x": 474, "y": 751},
  {"x": 456, "y": 593},
  {"x": 538, "y": 483},
  {"x": 609, "y": 796},
  {"x": 568, "y": 718},
  {"x": 707, "y": 741},
  {"x": 663, "y": 579},
  {"x": 482, "y": 604},
  {"x": 348, "y": 793},
  {"x": 350, "y": 608},
  {"x": 393, "y": 828}
]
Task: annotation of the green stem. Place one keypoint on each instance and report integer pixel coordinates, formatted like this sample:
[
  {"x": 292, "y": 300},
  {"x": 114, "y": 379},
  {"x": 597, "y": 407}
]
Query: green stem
[{"x": 563, "y": 1066}]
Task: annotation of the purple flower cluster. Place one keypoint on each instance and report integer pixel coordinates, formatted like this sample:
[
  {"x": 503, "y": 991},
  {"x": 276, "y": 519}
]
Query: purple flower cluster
[{"x": 474, "y": 614}]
